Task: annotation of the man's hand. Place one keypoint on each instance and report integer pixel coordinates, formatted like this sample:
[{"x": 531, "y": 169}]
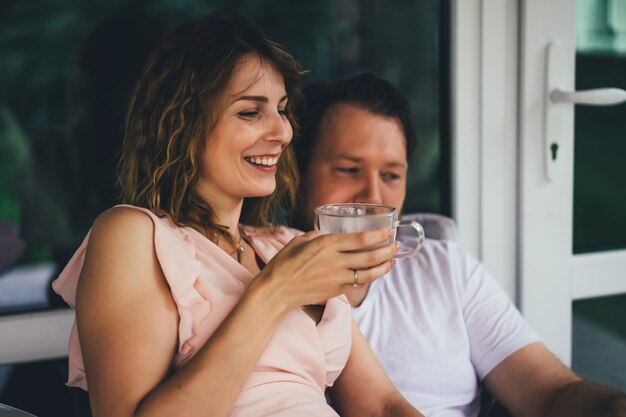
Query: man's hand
[
  {"x": 532, "y": 382},
  {"x": 587, "y": 398}
]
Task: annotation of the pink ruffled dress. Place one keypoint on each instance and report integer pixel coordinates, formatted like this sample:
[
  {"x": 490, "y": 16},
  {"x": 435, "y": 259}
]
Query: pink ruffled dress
[{"x": 301, "y": 359}]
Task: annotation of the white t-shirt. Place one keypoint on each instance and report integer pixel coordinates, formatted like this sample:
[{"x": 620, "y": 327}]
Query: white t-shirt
[{"x": 439, "y": 323}]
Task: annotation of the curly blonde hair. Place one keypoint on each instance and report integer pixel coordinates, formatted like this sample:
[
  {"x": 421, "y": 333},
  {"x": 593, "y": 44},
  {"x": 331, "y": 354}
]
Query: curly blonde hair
[{"x": 174, "y": 106}]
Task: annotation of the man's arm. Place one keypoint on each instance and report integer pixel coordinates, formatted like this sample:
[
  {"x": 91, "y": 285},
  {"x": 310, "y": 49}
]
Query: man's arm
[{"x": 533, "y": 382}]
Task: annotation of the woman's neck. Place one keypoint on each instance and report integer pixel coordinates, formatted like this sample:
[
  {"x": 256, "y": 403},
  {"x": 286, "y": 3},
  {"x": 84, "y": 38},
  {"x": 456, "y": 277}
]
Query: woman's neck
[
  {"x": 228, "y": 214},
  {"x": 227, "y": 209}
]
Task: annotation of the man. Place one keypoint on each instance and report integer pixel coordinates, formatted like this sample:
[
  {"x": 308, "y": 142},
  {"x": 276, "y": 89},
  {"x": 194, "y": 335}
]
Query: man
[{"x": 438, "y": 322}]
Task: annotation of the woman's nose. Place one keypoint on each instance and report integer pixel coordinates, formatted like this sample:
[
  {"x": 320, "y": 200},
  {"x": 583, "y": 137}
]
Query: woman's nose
[{"x": 280, "y": 129}]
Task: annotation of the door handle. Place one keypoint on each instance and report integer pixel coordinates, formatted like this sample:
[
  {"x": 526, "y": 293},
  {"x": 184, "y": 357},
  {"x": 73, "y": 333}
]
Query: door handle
[
  {"x": 558, "y": 105},
  {"x": 595, "y": 97}
]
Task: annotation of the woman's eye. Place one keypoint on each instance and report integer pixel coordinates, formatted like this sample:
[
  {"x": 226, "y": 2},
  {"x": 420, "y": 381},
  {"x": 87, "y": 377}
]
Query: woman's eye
[
  {"x": 282, "y": 112},
  {"x": 248, "y": 114},
  {"x": 348, "y": 170}
]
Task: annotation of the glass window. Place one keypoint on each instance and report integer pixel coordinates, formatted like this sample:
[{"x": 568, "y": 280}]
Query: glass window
[
  {"x": 67, "y": 68},
  {"x": 600, "y": 148},
  {"x": 598, "y": 333},
  {"x": 599, "y": 339}
]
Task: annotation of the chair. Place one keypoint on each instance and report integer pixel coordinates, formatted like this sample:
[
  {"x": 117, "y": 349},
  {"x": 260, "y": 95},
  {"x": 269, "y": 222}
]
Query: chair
[
  {"x": 7, "y": 411},
  {"x": 38, "y": 388},
  {"x": 436, "y": 226},
  {"x": 11, "y": 244}
]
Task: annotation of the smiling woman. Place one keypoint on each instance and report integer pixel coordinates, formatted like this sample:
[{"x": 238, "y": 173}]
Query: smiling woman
[{"x": 257, "y": 117}]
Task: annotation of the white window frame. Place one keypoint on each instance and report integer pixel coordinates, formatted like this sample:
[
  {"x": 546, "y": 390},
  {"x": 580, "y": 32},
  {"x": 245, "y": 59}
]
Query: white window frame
[
  {"x": 35, "y": 336},
  {"x": 484, "y": 133}
]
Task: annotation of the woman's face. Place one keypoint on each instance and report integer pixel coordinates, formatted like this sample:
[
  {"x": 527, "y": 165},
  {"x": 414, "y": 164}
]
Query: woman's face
[{"x": 241, "y": 153}]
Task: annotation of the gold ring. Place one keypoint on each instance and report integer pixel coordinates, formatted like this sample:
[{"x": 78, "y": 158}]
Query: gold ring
[{"x": 355, "y": 283}]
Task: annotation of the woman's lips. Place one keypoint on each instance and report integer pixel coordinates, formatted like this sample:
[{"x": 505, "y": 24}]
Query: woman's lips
[{"x": 263, "y": 163}]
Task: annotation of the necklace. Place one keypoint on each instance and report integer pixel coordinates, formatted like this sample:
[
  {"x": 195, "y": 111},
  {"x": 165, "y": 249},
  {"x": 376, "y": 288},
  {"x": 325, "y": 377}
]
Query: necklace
[{"x": 239, "y": 249}]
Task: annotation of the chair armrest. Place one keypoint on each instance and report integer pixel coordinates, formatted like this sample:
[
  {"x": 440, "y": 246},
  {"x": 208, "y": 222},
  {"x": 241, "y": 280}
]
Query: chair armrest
[{"x": 7, "y": 411}]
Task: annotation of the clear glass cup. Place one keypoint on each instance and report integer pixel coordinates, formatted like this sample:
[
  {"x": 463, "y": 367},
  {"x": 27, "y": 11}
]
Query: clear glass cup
[{"x": 360, "y": 217}]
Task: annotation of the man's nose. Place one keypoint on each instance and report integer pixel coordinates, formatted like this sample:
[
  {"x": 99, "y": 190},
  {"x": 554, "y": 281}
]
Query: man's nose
[{"x": 370, "y": 192}]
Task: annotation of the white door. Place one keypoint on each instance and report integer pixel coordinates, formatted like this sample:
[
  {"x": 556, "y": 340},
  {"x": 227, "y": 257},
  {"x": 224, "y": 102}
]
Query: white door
[{"x": 550, "y": 275}]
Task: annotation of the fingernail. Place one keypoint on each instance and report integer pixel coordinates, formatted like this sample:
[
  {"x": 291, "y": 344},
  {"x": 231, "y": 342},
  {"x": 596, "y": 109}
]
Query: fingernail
[
  {"x": 391, "y": 232},
  {"x": 397, "y": 246},
  {"x": 393, "y": 262}
]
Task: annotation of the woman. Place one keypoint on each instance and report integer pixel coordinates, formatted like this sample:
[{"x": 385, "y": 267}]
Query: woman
[{"x": 180, "y": 309}]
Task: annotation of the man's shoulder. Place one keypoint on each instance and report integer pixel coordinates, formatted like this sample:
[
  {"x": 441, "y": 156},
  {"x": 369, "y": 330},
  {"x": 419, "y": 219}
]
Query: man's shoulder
[
  {"x": 437, "y": 262},
  {"x": 431, "y": 276}
]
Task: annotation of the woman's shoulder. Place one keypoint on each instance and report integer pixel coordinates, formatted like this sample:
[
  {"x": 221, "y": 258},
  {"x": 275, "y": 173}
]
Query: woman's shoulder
[
  {"x": 127, "y": 222},
  {"x": 124, "y": 230},
  {"x": 123, "y": 217},
  {"x": 118, "y": 234}
]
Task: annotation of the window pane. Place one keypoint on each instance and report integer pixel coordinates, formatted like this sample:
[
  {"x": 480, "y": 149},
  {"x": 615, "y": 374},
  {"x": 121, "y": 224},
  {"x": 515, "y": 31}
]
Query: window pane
[
  {"x": 599, "y": 339},
  {"x": 598, "y": 333},
  {"x": 600, "y": 145},
  {"x": 67, "y": 68}
]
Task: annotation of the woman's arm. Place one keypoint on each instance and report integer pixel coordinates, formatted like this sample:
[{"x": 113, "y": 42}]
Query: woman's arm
[
  {"x": 128, "y": 326},
  {"x": 128, "y": 323},
  {"x": 364, "y": 389}
]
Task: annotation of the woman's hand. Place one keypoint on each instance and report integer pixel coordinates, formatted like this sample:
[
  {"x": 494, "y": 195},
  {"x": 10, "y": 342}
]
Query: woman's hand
[{"x": 313, "y": 268}]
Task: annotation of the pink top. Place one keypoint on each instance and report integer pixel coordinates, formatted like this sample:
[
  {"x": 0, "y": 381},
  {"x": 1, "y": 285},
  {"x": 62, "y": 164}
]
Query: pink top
[{"x": 302, "y": 358}]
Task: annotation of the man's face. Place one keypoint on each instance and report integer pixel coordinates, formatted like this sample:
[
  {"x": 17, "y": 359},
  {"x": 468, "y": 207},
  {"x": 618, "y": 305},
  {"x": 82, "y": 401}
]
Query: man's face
[{"x": 360, "y": 157}]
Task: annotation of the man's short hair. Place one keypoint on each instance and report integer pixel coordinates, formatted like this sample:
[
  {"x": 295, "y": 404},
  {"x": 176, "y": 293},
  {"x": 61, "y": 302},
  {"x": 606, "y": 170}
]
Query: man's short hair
[{"x": 365, "y": 91}]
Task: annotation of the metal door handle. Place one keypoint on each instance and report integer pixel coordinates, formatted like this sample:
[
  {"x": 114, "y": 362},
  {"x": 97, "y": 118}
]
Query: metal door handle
[
  {"x": 558, "y": 106},
  {"x": 595, "y": 97}
]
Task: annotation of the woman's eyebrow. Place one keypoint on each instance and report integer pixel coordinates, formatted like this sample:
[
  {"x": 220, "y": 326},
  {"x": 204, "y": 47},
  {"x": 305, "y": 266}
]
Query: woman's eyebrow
[{"x": 260, "y": 99}]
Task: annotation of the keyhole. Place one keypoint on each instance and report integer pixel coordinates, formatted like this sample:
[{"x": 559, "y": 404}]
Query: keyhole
[{"x": 553, "y": 148}]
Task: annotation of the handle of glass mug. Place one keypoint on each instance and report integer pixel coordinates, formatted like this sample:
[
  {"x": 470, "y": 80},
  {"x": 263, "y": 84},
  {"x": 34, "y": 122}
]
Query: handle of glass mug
[{"x": 420, "y": 237}]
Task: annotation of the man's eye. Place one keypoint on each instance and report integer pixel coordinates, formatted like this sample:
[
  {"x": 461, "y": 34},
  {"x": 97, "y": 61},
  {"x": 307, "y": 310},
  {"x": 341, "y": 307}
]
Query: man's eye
[{"x": 390, "y": 176}]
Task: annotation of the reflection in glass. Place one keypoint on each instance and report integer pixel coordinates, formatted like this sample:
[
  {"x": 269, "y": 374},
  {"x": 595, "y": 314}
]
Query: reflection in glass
[
  {"x": 601, "y": 27},
  {"x": 67, "y": 68}
]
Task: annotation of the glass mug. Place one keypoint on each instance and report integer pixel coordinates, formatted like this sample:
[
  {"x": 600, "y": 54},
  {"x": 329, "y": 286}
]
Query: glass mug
[{"x": 360, "y": 217}]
